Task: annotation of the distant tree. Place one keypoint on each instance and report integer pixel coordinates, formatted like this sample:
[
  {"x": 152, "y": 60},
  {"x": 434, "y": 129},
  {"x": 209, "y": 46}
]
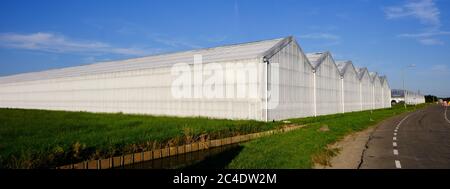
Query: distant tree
[{"x": 430, "y": 98}]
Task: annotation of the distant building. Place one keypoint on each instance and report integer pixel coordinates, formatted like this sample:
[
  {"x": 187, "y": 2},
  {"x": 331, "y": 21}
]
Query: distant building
[{"x": 398, "y": 96}]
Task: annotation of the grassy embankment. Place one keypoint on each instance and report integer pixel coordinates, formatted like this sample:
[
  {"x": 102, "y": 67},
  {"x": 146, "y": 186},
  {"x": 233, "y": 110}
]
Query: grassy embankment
[
  {"x": 39, "y": 139},
  {"x": 304, "y": 147},
  {"x": 45, "y": 139}
]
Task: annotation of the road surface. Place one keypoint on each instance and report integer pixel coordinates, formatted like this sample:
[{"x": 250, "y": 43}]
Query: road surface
[{"x": 419, "y": 140}]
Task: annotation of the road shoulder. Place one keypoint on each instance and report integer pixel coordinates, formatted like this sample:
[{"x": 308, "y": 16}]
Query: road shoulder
[{"x": 352, "y": 147}]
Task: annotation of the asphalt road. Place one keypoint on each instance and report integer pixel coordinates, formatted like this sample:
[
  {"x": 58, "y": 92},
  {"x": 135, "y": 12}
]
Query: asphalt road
[{"x": 418, "y": 140}]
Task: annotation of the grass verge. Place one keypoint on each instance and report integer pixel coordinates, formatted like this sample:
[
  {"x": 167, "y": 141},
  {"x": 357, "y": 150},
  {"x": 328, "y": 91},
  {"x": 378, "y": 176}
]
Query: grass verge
[
  {"x": 304, "y": 147},
  {"x": 45, "y": 139}
]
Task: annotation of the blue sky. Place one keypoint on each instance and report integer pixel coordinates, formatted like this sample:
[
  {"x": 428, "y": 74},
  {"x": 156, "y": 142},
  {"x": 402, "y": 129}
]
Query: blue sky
[{"x": 385, "y": 36}]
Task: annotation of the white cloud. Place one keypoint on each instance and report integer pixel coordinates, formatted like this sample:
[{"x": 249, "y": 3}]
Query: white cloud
[
  {"x": 327, "y": 28},
  {"x": 425, "y": 34},
  {"x": 175, "y": 42},
  {"x": 440, "y": 67},
  {"x": 325, "y": 36},
  {"x": 427, "y": 38},
  {"x": 171, "y": 42},
  {"x": 216, "y": 39},
  {"x": 49, "y": 42},
  {"x": 425, "y": 11},
  {"x": 430, "y": 41}
]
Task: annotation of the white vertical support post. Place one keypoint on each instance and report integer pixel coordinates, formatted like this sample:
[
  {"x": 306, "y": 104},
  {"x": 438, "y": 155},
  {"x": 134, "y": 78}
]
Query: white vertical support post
[
  {"x": 382, "y": 97},
  {"x": 342, "y": 94},
  {"x": 267, "y": 89},
  {"x": 390, "y": 98},
  {"x": 373, "y": 96},
  {"x": 314, "y": 93}
]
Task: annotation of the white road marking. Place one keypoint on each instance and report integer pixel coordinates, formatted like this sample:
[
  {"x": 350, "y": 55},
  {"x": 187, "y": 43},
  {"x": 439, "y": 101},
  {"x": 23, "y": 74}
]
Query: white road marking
[
  {"x": 397, "y": 164},
  {"x": 398, "y": 125},
  {"x": 445, "y": 114},
  {"x": 395, "y": 151}
]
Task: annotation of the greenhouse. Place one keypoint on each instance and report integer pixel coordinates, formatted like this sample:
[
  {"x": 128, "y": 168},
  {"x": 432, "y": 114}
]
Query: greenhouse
[
  {"x": 412, "y": 98},
  {"x": 377, "y": 91},
  {"x": 386, "y": 92},
  {"x": 263, "y": 80},
  {"x": 328, "y": 85},
  {"x": 350, "y": 83},
  {"x": 366, "y": 88},
  {"x": 296, "y": 84}
]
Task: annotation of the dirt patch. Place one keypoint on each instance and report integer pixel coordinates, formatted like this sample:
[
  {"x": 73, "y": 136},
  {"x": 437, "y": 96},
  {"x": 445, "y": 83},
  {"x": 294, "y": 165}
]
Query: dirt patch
[
  {"x": 324, "y": 128},
  {"x": 324, "y": 158},
  {"x": 349, "y": 151}
]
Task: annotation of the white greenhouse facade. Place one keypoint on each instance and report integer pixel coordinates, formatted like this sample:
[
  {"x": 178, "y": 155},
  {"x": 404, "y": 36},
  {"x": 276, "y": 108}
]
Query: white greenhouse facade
[
  {"x": 377, "y": 91},
  {"x": 350, "y": 84},
  {"x": 327, "y": 82},
  {"x": 263, "y": 80},
  {"x": 386, "y": 92},
  {"x": 366, "y": 88},
  {"x": 412, "y": 98}
]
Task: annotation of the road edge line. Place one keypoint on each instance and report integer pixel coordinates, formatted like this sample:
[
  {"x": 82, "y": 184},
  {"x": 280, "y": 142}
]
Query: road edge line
[{"x": 445, "y": 114}]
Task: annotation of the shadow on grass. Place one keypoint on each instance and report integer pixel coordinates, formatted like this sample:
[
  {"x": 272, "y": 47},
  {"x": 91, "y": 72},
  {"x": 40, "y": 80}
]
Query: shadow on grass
[
  {"x": 217, "y": 161},
  {"x": 214, "y": 158}
]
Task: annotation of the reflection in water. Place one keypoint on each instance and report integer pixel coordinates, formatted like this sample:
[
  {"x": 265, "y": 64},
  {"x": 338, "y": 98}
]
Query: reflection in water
[{"x": 212, "y": 158}]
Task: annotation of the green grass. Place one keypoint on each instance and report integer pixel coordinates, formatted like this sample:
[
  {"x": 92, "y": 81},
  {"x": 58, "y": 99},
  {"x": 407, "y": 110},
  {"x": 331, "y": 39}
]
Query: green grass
[
  {"x": 299, "y": 148},
  {"x": 45, "y": 139}
]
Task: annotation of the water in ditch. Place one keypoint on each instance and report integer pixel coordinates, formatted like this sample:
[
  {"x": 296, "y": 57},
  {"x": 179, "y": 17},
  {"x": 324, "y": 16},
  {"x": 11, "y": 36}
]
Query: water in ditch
[{"x": 214, "y": 158}]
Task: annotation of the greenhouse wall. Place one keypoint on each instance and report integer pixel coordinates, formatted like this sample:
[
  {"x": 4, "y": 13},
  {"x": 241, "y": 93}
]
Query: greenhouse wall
[
  {"x": 386, "y": 93},
  {"x": 366, "y": 90},
  {"x": 295, "y": 86},
  {"x": 328, "y": 87},
  {"x": 414, "y": 98},
  {"x": 146, "y": 85},
  {"x": 136, "y": 92},
  {"x": 351, "y": 89},
  {"x": 378, "y": 93}
]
